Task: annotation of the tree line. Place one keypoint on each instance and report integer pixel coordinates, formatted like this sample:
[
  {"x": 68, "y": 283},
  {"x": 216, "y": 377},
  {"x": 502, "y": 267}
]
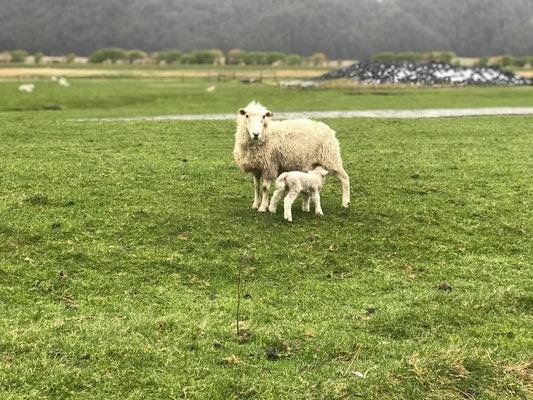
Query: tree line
[
  {"x": 240, "y": 57},
  {"x": 450, "y": 57},
  {"x": 210, "y": 56}
]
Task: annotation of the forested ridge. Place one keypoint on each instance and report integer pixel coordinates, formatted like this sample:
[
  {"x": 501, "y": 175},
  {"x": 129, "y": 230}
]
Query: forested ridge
[{"x": 342, "y": 29}]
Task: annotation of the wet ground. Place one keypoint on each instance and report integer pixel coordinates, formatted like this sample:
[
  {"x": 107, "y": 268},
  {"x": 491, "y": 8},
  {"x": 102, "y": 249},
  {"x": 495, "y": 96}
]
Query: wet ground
[{"x": 426, "y": 113}]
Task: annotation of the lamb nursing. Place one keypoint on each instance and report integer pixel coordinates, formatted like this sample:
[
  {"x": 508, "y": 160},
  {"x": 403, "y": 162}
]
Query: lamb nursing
[
  {"x": 266, "y": 148},
  {"x": 294, "y": 183}
]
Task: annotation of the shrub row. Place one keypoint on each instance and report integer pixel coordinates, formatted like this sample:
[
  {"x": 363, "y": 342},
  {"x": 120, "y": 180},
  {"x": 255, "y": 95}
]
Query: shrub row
[
  {"x": 20, "y": 56},
  {"x": 212, "y": 56},
  {"x": 241, "y": 57},
  {"x": 451, "y": 58}
]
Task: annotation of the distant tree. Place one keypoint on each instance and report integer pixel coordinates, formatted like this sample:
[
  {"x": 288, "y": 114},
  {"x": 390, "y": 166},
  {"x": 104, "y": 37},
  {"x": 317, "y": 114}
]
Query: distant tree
[
  {"x": 483, "y": 61},
  {"x": 134, "y": 55},
  {"x": 318, "y": 59},
  {"x": 110, "y": 53},
  {"x": 275, "y": 56},
  {"x": 520, "y": 61},
  {"x": 507, "y": 60},
  {"x": 429, "y": 57},
  {"x": 70, "y": 58},
  {"x": 18, "y": 56},
  {"x": 159, "y": 57},
  {"x": 235, "y": 57},
  {"x": 218, "y": 56},
  {"x": 295, "y": 59},
  {"x": 496, "y": 61},
  {"x": 255, "y": 58},
  {"x": 173, "y": 56},
  {"x": 5, "y": 56},
  {"x": 38, "y": 57},
  {"x": 411, "y": 57},
  {"x": 387, "y": 56},
  {"x": 201, "y": 57},
  {"x": 446, "y": 56},
  {"x": 188, "y": 59}
]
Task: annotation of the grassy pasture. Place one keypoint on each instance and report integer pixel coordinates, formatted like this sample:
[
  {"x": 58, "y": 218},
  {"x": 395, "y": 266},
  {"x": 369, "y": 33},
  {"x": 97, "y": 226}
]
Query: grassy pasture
[
  {"x": 125, "y": 95},
  {"x": 120, "y": 247}
]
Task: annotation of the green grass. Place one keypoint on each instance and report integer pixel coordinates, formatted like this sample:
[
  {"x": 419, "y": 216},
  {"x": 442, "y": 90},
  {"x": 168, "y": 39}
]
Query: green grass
[
  {"x": 120, "y": 245},
  {"x": 133, "y": 97}
]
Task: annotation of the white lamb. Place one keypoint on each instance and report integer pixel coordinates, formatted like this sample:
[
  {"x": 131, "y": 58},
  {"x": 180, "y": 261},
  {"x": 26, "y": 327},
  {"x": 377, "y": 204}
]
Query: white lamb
[
  {"x": 267, "y": 148},
  {"x": 294, "y": 183},
  {"x": 27, "y": 88}
]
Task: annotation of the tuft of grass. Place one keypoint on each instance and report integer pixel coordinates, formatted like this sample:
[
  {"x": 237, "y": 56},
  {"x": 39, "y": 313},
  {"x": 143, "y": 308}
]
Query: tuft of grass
[{"x": 120, "y": 245}]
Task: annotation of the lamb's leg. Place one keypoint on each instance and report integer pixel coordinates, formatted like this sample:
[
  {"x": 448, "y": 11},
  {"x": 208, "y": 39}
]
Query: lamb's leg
[
  {"x": 257, "y": 191},
  {"x": 287, "y": 203},
  {"x": 266, "y": 189},
  {"x": 316, "y": 199},
  {"x": 343, "y": 178},
  {"x": 278, "y": 194},
  {"x": 305, "y": 202}
]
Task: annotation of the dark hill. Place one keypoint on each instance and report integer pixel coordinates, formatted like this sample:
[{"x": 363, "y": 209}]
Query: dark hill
[{"x": 342, "y": 29}]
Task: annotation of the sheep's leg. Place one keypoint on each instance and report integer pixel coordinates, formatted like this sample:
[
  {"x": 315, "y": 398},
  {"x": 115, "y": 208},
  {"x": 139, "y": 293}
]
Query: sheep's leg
[
  {"x": 257, "y": 191},
  {"x": 305, "y": 202},
  {"x": 316, "y": 199},
  {"x": 278, "y": 194},
  {"x": 344, "y": 179},
  {"x": 266, "y": 189},
  {"x": 287, "y": 203}
]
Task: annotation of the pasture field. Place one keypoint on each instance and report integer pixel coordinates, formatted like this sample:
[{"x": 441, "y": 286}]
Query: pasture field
[
  {"x": 124, "y": 95},
  {"x": 122, "y": 243}
]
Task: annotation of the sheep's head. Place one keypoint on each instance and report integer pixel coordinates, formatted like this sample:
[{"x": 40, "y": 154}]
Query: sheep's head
[{"x": 255, "y": 118}]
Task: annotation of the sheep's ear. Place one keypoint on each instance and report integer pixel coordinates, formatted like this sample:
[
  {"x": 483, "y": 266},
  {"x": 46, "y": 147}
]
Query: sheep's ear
[
  {"x": 269, "y": 114},
  {"x": 242, "y": 112}
]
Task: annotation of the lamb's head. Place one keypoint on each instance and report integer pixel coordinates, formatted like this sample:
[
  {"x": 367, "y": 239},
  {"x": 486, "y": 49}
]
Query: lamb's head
[
  {"x": 254, "y": 119},
  {"x": 319, "y": 170}
]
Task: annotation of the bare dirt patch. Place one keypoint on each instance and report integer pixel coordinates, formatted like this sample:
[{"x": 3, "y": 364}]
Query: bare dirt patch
[
  {"x": 525, "y": 74},
  {"x": 46, "y": 72},
  {"x": 22, "y": 72}
]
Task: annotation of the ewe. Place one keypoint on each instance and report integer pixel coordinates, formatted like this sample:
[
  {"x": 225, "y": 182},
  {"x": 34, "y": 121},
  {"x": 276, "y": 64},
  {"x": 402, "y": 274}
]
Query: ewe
[
  {"x": 267, "y": 148},
  {"x": 294, "y": 183},
  {"x": 27, "y": 88}
]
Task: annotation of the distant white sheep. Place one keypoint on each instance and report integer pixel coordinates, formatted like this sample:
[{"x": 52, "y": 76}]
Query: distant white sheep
[
  {"x": 267, "y": 148},
  {"x": 294, "y": 183},
  {"x": 210, "y": 89},
  {"x": 27, "y": 88},
  {"x": 63, "y": 82}
]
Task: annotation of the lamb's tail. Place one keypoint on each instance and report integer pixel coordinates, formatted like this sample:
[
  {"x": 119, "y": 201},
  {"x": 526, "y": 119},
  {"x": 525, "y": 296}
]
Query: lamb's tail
[{"x": 280, "y": 181}]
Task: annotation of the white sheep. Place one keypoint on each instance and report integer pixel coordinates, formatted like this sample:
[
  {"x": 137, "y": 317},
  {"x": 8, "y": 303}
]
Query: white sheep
[
  {"x": 294, "y": 183},
  {"x": 63, "y": 82},
  {"x": 27, "y": 88},
  {"x": 267, "y": 148}
]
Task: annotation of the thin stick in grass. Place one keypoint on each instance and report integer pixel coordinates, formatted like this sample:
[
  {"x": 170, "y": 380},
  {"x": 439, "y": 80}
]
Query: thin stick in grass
[{"x": 239, "y": 292}]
